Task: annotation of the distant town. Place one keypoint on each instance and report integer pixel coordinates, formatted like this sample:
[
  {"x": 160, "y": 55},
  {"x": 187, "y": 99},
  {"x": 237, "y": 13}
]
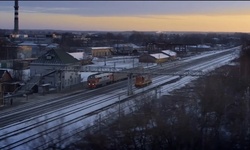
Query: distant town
[{"x": 30, "y": 49}]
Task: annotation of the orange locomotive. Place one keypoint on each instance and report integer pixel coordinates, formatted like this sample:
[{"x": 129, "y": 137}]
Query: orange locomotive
[{"x": 142, "y": 80}]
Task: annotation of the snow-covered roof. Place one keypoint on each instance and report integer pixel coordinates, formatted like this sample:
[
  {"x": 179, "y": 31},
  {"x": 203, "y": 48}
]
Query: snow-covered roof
[
  {"x": 53, "y": 45},
  {"x": 200, "y": 46},
  {"x": 127, "y": 45},
  {"x": 169, "y": 52},
  {"x": 43, "y": 44},
  {"x": 27, "y": 43},
  {"x": 77, "y": 55},
  {"x": 159, "y": 55},
  {"x": 101, "y": 47},
  {"x": 204, "y": 46}
]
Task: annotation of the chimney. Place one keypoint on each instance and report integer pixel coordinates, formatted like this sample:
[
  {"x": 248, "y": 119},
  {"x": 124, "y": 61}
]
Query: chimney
[{"x": 16, "y": 29}]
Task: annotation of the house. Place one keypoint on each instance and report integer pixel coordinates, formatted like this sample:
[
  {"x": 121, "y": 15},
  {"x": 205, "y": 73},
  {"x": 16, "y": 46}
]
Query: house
[
  {"x": 6, "y": 82},
  {"x": 153, "y": 58},
  {"x": 83, "y": 58},
  {"x": 5, "y": 76},
  {"x": 56, "y": 67}
]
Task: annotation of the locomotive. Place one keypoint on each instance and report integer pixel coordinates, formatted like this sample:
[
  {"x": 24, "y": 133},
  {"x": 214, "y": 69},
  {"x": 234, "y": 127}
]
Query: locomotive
[
  {"x": 102, "y": 79},
  {"x": 142, "y": 80}
]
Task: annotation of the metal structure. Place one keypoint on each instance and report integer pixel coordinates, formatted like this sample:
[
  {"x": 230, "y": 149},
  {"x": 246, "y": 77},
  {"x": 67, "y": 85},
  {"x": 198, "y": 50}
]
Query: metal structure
[{"x": 140, "y": 70}]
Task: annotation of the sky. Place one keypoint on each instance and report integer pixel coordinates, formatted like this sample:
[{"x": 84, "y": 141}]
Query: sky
[{"x": 205, "y": 16}]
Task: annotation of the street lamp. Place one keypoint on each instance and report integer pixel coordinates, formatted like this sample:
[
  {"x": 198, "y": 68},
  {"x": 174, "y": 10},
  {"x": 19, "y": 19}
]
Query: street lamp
[
  {"x": 133, "y": 63},
  {"x": 105, "y": 60}
]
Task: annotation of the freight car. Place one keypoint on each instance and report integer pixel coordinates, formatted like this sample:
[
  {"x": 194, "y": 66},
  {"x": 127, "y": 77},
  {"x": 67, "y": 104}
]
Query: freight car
[
  {"x": 102, "y": 79},
  {"x": 142, "y": 80}
]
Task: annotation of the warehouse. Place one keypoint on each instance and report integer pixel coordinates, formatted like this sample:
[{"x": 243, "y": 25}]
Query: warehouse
[
  {"x": 172, "y": 55},
  {"x": 101, "y": 51},
  {"x": 154, "y": 58}
]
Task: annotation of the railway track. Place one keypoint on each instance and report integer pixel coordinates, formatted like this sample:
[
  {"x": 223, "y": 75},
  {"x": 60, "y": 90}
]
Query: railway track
[
  {"x": 27, "y": 111},
  {"x": 131, "y": 105},
  {"x": 35, "y": 109},
  {"x": 47, "y": 121}
]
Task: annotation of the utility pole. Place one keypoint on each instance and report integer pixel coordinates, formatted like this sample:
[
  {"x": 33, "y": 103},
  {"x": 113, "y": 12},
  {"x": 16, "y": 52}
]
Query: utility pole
[
  {"x": 133, "y": 63},
  {"x": 119, "y": 98},
  {"x": 105, "y": 60},
  {"x": 130, "y": 90},
  {"x": 247, "y": 96}
]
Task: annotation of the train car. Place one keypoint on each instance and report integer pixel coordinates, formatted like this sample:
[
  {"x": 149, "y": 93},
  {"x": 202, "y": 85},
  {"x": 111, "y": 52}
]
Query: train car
[
  {"x": 120, "y": 76},
  {"x": 142, "y": 80},
  {"x": 100, "y": 79}
]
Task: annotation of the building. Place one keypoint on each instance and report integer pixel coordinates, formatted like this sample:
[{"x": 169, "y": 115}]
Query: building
[
  {"x": 6, "y": 84},
  {"x": 5, "y": 76},
  {"x": 83, "y": 58},
  {"x": 127, "y": 49},
  {"x": 8, "y": 49},
  {"x": 154, "y": 58},
  {"x": 172, "y": 55},
  {"x": 101, "y": 51},
  {"x": 56, "y": 68},
  {"x": 199, "y": 48},
  {"x": 26, "y": 49}
]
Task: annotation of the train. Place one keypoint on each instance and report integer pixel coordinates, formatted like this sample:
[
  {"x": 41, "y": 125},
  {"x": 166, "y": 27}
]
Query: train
[
  {"x": 142, "y": 80},
  {"x": 102, "y": 79}
]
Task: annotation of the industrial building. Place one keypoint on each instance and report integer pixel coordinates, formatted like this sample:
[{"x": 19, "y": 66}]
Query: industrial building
[
  {"x": 127, "y": 49},
  {"x": 154, "y": 58},
  {"x": 101, "y": 51}
]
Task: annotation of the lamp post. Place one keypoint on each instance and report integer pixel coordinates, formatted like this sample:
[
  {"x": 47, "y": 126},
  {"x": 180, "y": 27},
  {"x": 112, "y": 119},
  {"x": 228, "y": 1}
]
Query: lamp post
[
  {"x": 105, "y": 60},
  {"x": 133, "y": 63},
  {"x": 119, "y": 100}
]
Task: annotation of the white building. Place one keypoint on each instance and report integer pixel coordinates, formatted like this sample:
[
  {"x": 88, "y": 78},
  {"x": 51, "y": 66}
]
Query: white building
[{"x": 56, "y": 67}]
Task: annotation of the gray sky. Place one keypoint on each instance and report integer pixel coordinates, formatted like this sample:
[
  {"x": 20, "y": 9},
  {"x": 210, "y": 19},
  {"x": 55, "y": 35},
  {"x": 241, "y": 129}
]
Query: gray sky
[{"x": 110, "y": 8}]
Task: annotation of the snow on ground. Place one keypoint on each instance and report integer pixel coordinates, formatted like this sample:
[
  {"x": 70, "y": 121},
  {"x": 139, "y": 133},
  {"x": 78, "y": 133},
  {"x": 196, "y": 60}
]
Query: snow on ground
[{"x": 107, "y": 98}]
